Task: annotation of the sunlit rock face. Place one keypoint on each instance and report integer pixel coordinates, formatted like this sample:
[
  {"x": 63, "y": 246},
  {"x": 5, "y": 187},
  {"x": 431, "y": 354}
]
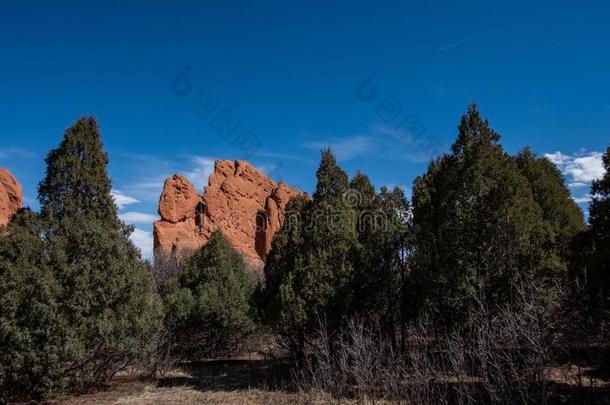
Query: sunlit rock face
[
  {"x": 243, "y": 203},
  {"x": 11, "y": 196}
]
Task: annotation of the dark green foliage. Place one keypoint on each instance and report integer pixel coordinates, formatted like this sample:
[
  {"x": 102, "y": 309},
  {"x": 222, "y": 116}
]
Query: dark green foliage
[
  {"x": 362, "y": 192},
  {"x": 207, "y": 305},
  {"x": 599, "y": 218},
  {"x": 31, "y": 339},
  {"x": 591, "y": 252},
  {"x": 477, "y": 225},
  {"x": 340, "y": 255},
  {"x": 562, "y": 216},
  {"x": 77, "y": 304},
  {"x": 384, "y": 235},
  {"x": 599, "y": 209},
  {"x": 332, "y": 180},
  {"x": 106, "y": 297},
  {"x": 309, "y": 270},
  {"x": 76, "y": 182},
  {"x": 98, "y": 310}
]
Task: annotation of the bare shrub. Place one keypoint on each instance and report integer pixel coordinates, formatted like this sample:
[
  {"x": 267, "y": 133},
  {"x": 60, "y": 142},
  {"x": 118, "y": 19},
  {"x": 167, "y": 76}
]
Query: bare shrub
[
  {"x": 166, "y": 265},
  {"x": 500, "y": 358},
  {"x": 506, "y": 350}
]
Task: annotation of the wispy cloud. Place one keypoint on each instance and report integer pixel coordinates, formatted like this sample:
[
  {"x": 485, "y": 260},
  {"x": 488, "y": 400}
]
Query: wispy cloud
[
  {"x": 345, "y": 148},
  {"x": 122, "y": 200},
  {"x": 284, "y": 157},
  {"x": 16, "y": 152},
  {"x": 143, "y": 241},
  {"x": 147, "y": 173},
  {"x": 198, "y": 174},
  {"x": 135, "y": 217},
  {"x": 380, "y": 141},
  {"x": 267, "y": 168},
  {"x": 580, "y": 169}
]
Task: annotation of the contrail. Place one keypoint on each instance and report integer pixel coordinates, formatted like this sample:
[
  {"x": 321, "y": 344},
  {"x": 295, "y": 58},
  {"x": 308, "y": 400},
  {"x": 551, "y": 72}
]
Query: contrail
[{"x": 444, "y": 48}]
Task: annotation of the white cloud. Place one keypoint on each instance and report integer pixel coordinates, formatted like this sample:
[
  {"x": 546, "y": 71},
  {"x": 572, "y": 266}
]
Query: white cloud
[
  {"x": 135, "y": 217},
  {"x": 122, "y": 200},
  {"x": 345, "y": 148},
  {"x": 579, "y": 169},
  {"x": 198, "y": 175},
  {"x": 143, "y": 241},
  {"x": 582, "y": 168},
  {"x": 558, "y": 158}
]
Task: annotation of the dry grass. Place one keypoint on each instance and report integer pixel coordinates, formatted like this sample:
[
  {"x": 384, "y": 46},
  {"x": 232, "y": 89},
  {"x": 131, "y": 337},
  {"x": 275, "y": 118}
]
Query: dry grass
[
  {"x": 152, "y": 394},
  {"x": 254, "y": 379},
  {"x": 129, "y": 389},
  {"x": 210, "y": 385},
  {"x": 143, "y": 393}
]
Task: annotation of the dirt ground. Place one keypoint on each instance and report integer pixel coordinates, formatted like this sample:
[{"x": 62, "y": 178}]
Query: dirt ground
[
  {"x": 210, "y": 382},
  {"x": 261, "y": 382}
]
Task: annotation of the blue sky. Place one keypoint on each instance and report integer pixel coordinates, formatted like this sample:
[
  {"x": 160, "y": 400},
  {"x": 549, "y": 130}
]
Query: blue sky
[{"x": 383, "y": 83}]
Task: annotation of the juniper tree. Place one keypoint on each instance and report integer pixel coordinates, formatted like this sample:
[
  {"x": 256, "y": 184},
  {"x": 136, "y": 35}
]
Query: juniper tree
[
  {"x": 103, "y": 308},
  {"x": 332, "y": 181},
  {"x": 591, "y": 251},
  {"x": 599, "y": 218},
  {"x": 477, "y": 225},
  {"x": 208, "y": 304},
  {"x": 76, "y": 181},
  {"x": 380, "y": 262},
  {"x": 562, "y": 217},
  {"x": 77, "y": 303},
  {"x": 309, "y": 270},
  {"x": 385, "y": 238},
  {"x": 32, "y": 338}
]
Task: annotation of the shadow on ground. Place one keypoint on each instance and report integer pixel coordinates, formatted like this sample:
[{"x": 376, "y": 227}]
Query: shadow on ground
[{"x": 230, "y": 375}]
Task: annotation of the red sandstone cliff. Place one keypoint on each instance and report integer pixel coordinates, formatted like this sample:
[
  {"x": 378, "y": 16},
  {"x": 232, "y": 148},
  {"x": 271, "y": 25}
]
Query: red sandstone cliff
[
  {"x": 11, "y": 196},
  {"x": 243, "y": 203}
]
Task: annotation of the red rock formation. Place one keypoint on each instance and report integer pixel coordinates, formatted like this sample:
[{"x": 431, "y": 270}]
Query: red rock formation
[
  {"x": 244, "y": 204},
  {"x": 11, "y": 196}
]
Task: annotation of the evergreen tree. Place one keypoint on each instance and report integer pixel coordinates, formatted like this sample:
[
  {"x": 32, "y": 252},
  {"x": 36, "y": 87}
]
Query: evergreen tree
[
  {"x": 599, "y": 218},
  {"x": 599, "y": 209},
  {"x": 362, "y": 192},
  {"x": 31, "y": 328},
  {"x": 361, "y": 196},
  {"x": 76, "y": 181},
  {"x": 477, "y": 224},
  {"x": 309, "y": 270},
  {"x": 591, "y": 251},
  {"x": 93, "y": 309},
  {"x": 381, "y": 266},
  {"x": 332, "y": 181},
  {"x": 562, "y": 216},
  {"x": 208, "y": 304}
]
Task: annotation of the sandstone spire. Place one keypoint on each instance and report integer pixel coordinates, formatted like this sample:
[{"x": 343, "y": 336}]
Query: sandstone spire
[
  {"x": 243, "y": 203},
  {"x": 11, "y": 196}
]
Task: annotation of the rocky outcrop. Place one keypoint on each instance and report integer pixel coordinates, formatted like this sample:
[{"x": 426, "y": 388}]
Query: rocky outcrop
[
  {"x": 243, "y": 203},
  {"x": 11, "y": 196}
]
